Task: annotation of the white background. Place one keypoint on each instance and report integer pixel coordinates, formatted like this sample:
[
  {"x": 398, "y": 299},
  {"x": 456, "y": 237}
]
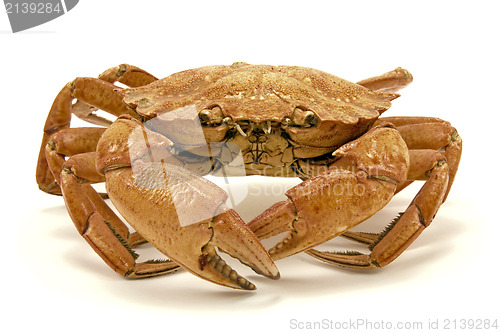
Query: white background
[{"x": 52, "y": 280}]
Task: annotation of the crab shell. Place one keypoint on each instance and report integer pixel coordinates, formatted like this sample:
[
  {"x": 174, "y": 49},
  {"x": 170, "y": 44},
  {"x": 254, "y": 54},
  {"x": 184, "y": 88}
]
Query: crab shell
[{"x": 262, "y": 93}]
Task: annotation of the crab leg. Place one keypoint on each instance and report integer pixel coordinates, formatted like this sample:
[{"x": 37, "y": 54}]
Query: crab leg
[
  {"x": 389, "y": 244},
  {"x": 435, "y": 149},
  {"x": 92, "y": 91},
  {"x": 422, "y": 161},
  {"x": 68, "y": 142},
  {"x": 59, "y": 118},
  {"x": 99, "y": 225},
  {"x": 360, "y": 182},
  {"x": 60, "y": 113},
  {"x": 129, "y": 75},
  {"x": 430, "y": 133},
  {"x": 389, "y": 82},
  {"x": 430, "y": 140}
]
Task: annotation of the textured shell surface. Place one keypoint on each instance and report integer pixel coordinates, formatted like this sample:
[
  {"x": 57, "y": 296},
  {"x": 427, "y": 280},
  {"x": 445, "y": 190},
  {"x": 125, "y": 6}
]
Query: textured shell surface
[{"x": 260, "y": 93}]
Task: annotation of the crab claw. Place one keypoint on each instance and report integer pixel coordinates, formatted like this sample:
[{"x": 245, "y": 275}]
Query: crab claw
[
  {"x": 360, "y": 182},
  {"x": 315, "y": 212},
  {"x": 193, "y": 246},
  {"x": 232, "y": 236},
  {"x": 180, "y": 213}
]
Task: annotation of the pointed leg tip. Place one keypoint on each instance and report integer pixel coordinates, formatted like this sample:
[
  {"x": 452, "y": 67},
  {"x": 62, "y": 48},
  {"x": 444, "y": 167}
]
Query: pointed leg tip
[
  {"x": 272, "y": 273},
  {"x": 250, "y": 286}
]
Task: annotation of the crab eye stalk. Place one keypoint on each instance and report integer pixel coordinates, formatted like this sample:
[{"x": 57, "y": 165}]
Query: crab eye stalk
[
  {"x": 212, "y": 116},
  {"x": 304, "y": 118},
  {"x": 286, "y": 122}
]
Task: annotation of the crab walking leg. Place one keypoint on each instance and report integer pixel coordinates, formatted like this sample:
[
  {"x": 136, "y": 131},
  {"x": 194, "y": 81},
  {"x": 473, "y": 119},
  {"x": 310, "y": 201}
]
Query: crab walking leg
[
  {"x": 130, "y": 76},
  {"x": 101, "y": 94},
  {"x": 435, "y": 149},
  {"x": 79, "y": 144},
  {"x": 59, "y": 116},
  {"x": 422, "y": 162},
  {"x": 93, "y": 91},
  {"x": 360, "y": 183},
  {"x": 99, "y": 225},
  {"x": 431, "y": 133},
  {"x": 389, "y": 82},
  {"x": 402, "y": 231},
  {"x": 68, "y": 142}
]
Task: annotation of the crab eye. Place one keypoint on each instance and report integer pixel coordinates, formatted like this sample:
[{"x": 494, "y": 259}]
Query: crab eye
[
  {"x": 304, "y": 118},
  {"x": 212, "y": 116}
]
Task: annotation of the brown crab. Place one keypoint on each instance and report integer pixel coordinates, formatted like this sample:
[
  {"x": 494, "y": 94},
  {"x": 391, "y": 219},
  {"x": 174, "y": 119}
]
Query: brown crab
[{"x": 265, "y": 120}]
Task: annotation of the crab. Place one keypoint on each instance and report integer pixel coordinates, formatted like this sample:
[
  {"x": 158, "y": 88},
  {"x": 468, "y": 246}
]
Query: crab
[{"x": 241, "y": 119}]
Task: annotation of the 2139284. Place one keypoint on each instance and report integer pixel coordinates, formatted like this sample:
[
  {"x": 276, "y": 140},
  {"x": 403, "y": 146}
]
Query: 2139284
[
  {"x": 470, "y": 324},
  {"x": 33, "y": 8}
]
